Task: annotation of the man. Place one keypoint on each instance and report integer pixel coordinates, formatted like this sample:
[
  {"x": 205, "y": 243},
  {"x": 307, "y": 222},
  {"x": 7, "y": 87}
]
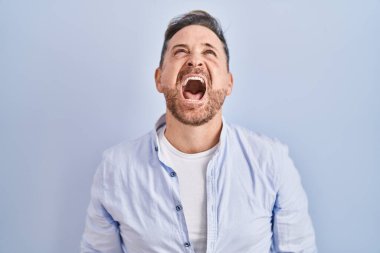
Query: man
[{"x": 196, "y": 183}]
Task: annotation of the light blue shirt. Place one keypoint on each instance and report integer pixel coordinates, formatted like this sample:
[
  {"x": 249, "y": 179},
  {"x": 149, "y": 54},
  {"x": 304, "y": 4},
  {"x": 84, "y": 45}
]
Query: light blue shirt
[{"x": 255, "y": 200}]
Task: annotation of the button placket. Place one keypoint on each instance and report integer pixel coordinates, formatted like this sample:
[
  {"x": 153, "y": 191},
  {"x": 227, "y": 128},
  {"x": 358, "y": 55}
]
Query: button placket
[
  {"x": 181, "y": 217},
  {"x": 178, "y": 207}
]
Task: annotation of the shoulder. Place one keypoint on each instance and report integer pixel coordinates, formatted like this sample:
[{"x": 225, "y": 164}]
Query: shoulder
[
  {"x": 128, "y": 149},
  {"x": 125, "y": 154},
  {"x": 260, "y": 143},
  {"x": 269, "y": 154}
]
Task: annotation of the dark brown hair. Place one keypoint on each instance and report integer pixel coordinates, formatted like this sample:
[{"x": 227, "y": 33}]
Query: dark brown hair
[{"x": 197, "y": 17}]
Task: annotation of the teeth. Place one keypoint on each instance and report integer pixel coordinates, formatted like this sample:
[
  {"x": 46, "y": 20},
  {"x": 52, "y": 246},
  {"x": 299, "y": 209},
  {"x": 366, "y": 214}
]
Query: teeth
[{"x": 193, "y": 78}]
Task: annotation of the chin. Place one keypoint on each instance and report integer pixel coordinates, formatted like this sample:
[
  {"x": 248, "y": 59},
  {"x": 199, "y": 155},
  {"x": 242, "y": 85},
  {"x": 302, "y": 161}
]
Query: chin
[{"x": 193, "y": 117}]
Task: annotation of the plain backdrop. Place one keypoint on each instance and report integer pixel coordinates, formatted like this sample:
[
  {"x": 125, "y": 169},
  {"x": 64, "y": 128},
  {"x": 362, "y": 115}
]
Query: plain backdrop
[{"x": 76, "y": 77}]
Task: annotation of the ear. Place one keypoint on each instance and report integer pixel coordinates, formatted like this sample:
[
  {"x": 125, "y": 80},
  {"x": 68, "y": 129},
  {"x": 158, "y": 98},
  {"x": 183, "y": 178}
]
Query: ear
[
  {"x": 230, "y": 79},
  {"x": 157, "y": 78}
]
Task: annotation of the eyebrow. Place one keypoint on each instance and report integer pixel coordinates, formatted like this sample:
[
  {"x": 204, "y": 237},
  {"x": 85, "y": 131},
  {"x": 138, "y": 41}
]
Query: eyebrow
[
  {"x": 179, "y": 45},
  {"x": 209, "y": 45},
  {"x": 186, "y": 46}
]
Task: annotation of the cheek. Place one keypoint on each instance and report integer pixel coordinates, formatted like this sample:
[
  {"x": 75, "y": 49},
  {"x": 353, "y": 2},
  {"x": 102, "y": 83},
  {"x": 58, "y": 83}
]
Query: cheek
[
  {"x": 169, "y": 76},
  {"x": 219, "y": 80}
]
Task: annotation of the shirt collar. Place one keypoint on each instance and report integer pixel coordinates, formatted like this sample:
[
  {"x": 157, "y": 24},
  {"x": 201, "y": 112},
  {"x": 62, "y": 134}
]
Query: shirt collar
[{"x": 162, "y": 121}]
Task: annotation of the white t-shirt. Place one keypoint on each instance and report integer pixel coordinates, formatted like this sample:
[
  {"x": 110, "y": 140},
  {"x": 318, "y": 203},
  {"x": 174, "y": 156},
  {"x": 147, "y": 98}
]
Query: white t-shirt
[{"x": 191, "y": 171}]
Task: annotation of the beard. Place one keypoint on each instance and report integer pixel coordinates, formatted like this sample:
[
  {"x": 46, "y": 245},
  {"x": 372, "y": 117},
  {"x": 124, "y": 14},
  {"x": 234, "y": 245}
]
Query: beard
[{"x": 197, "y": 115}]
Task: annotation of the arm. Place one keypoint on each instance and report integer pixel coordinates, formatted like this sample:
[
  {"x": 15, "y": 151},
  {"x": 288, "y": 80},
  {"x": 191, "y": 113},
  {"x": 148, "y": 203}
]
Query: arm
[
  {"x": 101, "y": 233},
  {"x": 292, "y": 227}
]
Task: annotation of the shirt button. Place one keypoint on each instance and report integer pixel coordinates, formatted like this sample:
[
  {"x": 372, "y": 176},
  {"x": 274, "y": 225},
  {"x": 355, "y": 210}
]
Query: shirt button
[
  {"x": 173, "y": 174},
  {"x": 187, "y": 244},
  {"x": 156, "y": 148},
  {"x": 178, "y": 208}
]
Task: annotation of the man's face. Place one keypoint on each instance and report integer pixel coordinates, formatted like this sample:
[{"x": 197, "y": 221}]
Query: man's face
[{"x": 194, "y": 76}]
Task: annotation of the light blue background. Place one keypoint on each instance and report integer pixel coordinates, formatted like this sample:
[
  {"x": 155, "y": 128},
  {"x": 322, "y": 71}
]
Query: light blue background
[{"x": 77, "y": 77}]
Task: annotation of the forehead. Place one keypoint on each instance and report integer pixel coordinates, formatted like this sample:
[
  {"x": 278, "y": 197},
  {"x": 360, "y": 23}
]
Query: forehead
[{"x": 193, "y": 35}]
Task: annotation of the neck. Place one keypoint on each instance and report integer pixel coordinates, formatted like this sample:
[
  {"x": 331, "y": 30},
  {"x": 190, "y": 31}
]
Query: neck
[{"x": 193, "y": 139}]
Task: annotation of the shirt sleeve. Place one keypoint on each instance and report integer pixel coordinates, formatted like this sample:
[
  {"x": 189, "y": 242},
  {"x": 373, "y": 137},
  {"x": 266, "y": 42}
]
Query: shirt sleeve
[
  {"x": 101, "y": 233},
  {"x": 292, "y": 227}
]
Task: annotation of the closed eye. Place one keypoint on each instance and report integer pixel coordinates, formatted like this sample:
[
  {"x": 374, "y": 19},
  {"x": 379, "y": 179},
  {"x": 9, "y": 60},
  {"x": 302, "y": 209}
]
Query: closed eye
[
  {"x": 209, "y": 51},
  {"x": 180, "y": 51}
]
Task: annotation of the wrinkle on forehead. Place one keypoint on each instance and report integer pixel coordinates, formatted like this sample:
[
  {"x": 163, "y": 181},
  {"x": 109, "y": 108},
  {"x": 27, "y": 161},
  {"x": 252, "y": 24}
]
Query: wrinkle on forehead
[{"x": 192, "y": 34}]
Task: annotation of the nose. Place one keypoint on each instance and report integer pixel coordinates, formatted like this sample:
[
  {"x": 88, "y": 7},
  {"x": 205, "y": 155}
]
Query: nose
[{"x": 194, "y": 61}]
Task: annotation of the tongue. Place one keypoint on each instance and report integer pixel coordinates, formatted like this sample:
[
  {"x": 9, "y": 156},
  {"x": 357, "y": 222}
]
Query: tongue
[{"x": 193, "y": 96}]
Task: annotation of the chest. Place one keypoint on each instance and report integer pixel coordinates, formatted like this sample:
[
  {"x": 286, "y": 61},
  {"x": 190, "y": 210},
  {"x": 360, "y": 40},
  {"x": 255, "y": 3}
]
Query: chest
[{"x": 239, "y": 202}]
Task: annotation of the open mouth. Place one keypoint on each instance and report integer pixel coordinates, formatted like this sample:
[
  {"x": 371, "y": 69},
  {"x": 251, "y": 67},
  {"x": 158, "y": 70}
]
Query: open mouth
[{"x": 194, "y": 88}]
